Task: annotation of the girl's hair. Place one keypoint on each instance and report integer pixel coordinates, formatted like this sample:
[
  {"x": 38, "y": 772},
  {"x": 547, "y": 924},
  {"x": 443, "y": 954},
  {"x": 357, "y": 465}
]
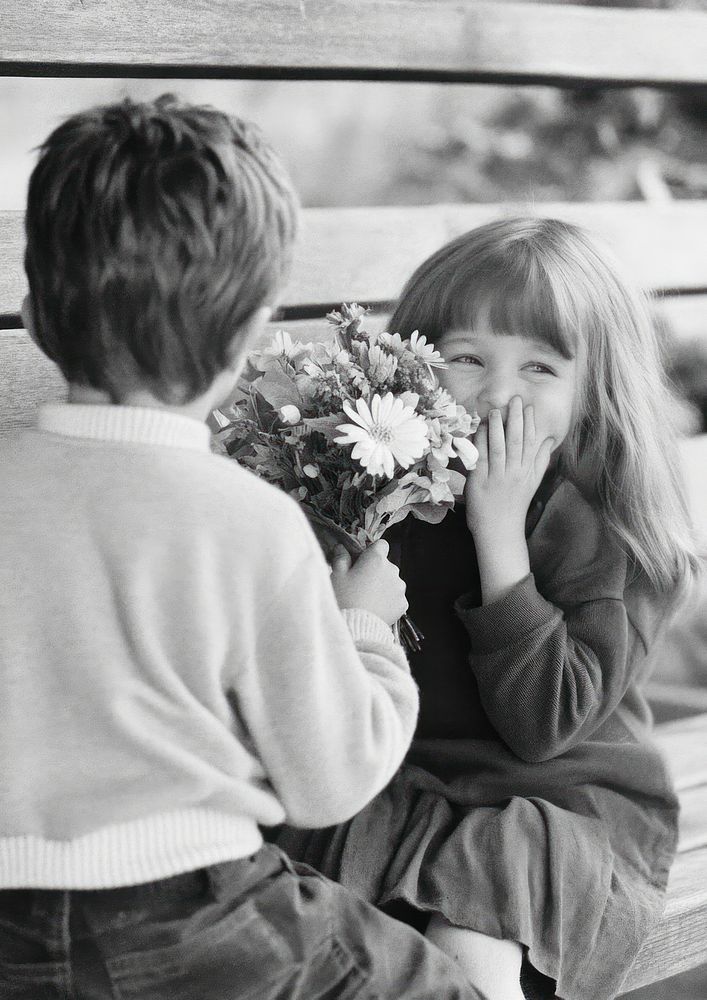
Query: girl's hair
[{"x": 545, "y": 279}]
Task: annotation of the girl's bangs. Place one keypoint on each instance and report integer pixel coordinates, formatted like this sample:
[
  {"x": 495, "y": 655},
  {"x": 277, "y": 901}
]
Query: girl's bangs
[{"x": 509, "y": 304}]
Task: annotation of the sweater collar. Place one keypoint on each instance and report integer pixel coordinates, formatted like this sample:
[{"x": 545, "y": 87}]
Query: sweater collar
[{"x": 127, "y": 424}]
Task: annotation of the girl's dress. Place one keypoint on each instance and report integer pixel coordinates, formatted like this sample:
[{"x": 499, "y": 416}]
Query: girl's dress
[{"x": 531, "y": 805}]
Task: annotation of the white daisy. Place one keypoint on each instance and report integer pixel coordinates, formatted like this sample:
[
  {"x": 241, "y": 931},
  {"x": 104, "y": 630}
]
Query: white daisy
[
  {"x": 381, "y": 366},
  {"x": 426, "y": 352},
  {"x": 394, "y": 343},
  {"x": 281, "y": 348},
  {"x": 386, "y": 433}
]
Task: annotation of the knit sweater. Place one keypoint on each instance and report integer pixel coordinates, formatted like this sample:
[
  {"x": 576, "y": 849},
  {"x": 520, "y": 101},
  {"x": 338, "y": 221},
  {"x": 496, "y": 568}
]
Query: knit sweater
[{"x": 175, "y": 670}]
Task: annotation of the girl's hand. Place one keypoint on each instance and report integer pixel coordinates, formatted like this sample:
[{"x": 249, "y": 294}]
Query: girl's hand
[
  {"x": 509, "y": 470},
  {"x": 498, "y": 493}
]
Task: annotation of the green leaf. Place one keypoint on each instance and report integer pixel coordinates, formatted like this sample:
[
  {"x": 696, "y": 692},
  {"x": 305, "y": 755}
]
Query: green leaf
[
  {"x": 325, "y": 425},
  {"x": 278, "y": 389}
]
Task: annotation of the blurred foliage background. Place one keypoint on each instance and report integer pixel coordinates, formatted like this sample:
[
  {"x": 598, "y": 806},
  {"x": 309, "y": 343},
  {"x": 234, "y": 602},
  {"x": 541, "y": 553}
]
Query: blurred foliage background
[{"x": 373, "y": 144}]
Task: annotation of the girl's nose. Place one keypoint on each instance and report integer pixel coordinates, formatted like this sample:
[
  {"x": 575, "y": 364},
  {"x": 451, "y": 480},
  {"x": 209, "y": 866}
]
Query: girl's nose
[{"x": 496, "y": 393}]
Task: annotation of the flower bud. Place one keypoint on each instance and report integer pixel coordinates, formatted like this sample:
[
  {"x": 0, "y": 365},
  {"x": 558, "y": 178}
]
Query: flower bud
[{"x": 289, "y": 414}]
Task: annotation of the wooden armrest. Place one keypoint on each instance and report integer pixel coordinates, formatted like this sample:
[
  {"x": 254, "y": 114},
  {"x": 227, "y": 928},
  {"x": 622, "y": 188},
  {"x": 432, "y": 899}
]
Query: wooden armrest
[
  {"x": 684, "y": 743},
  {"x": 679, "y": 942},
  {"x": 675, "y": 701}
]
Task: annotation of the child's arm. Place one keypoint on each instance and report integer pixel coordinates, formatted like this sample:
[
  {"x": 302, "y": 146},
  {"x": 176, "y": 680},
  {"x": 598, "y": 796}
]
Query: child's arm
[
  {"x": 549, "y": 671},
  {"x": 329, "y": 701},
  {"x": 552, "y": 668}
]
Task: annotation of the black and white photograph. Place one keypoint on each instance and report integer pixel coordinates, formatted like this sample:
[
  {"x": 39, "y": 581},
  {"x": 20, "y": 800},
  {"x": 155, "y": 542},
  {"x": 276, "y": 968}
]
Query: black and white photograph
[{"x": 353, "y": 500}]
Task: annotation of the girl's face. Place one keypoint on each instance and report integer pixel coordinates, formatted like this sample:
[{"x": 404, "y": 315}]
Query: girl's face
[{"x": 487, "y": 370}]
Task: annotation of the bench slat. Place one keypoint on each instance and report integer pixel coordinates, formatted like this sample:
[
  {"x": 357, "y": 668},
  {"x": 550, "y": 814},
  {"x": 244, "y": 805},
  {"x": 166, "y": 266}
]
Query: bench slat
[
  {"x": 679, "y": 941},
  {"x": 684, "y": 744},
  {"x": 366, "y": 254},
  {"x": 409, "y": 39},
  {"x": 693, "y": 819},
  {"x": 672, "y": 700},
  {"x": 687, "y": 316},
  {"x": 26, "y": 378}
]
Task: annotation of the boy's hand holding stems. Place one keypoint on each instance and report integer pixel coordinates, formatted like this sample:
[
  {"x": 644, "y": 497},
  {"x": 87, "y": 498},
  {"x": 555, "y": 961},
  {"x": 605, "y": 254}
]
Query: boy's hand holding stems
[
  {"x": 498, "y": 492},
  {"x": 372, "y": 583}
]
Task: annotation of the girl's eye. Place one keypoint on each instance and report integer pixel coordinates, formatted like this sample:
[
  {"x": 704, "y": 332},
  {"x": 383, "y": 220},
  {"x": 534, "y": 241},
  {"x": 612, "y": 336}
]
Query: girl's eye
[
  {"x": 539, "y": 369},
  {"x": 466, "y": 359}
]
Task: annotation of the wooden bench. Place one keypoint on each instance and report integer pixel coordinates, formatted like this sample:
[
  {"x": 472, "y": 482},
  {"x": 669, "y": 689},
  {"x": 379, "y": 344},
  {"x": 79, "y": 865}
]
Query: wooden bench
[{"x": 365, "y": 254}]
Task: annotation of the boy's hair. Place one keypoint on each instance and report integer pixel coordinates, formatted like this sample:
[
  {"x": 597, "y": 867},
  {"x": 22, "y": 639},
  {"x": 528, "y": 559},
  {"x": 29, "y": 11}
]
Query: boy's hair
[
  {"x": 545, "y": 279},
  {"x": 154, "y": 231}
]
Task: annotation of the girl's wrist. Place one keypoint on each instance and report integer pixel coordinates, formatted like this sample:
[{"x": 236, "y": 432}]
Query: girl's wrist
[
  {"x": 494, "y": 534},
  {"x": 503, "y": 562}
]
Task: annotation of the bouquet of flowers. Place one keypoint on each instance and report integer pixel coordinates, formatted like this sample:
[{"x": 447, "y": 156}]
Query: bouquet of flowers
[{"x": 357, "y": 430}]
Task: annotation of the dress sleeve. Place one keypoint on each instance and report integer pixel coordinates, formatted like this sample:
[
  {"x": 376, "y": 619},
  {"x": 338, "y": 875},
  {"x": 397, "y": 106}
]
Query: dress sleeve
[
  {"x": 329, "y": 700},
  {"x": 554, "y": 657}
]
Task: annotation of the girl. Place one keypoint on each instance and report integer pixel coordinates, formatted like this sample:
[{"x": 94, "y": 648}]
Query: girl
[{"x": 531, "y": 830}]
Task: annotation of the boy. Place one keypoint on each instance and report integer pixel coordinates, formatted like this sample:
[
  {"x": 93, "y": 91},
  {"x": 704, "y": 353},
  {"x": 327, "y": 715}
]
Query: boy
[{"x": 175, "y": 670}]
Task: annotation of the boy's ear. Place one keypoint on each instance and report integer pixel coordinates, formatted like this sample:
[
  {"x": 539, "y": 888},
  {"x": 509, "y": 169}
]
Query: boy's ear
[
  {"x": 247, "y": 336},
  {"x": 27, "y": 316}
]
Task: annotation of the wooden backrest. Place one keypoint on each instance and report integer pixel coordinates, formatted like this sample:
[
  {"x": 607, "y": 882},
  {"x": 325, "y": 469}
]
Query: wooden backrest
[
  {"x": 443, "y": 40},
  {"x": 366, "y": 254}
]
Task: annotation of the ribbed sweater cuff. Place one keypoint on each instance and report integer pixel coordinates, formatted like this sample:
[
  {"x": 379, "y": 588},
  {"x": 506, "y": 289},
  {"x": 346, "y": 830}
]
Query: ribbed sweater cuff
[
  {"x": 365, "y": 627},
  {"x": 496, "y": 626}
]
